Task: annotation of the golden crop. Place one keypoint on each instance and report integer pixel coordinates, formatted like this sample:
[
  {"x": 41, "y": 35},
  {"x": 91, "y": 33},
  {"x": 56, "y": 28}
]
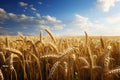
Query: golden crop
[{"x": 59, "y": 58}]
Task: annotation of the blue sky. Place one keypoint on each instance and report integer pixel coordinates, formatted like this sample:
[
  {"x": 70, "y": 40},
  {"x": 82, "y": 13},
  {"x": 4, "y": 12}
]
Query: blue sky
[{"x": 62, "y": 17}]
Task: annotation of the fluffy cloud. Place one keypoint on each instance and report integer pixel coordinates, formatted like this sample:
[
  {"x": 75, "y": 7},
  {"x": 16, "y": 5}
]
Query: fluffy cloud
[
  {"x": 23, "y": 4},
  {"x": 51, "y": 19},
  {"x": 26, "y": 6},
  {"x": 3, "y": 14},
  {"x": 113, "y": 19},
  {"x": 20, "y": 18},
  {"x": 37, "y": 22},
  {"x": 106, "y": 4},
  {"x": 110, "y": 26},
  {"x": 82, "y": 24},
  {"x": 85, "y": 23},
  {"x": 51, "y": 22},
  {"x": 81, "y": 21},
  {"x": 12, "y": 15},
  {"x": 31, "y": 7}
]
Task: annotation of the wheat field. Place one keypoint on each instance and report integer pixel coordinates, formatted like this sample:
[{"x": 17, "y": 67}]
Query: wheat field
[{"x": 59, "y": 58}]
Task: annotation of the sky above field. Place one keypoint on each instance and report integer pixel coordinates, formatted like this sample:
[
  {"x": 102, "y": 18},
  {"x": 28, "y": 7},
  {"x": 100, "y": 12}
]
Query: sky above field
[{"x": 62, "y": 17}]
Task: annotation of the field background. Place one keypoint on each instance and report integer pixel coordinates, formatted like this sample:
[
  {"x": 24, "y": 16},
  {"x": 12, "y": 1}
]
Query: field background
[{"x": 59, "y": 58}]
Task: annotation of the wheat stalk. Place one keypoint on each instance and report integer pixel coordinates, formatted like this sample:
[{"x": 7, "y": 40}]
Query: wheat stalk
[
  {"x": 51, "y": 35},
  {"x": 53, "y": 46},
  {"x": 102, "y": 43},
  {"x": 2, "y": 59},
  {"x": 7, "y": 41},
  {"x": 41, "y": 35},
  {"x": 34, "y": 47},
  {"x": 84, "y": 61},
  {"x": 1, "y": 75},
  {"x": 86, "y": 37},
  {"x": 38, "y": 64},
  {"x": 17, "y": 52},
  {"x": 10, "y": 64}
]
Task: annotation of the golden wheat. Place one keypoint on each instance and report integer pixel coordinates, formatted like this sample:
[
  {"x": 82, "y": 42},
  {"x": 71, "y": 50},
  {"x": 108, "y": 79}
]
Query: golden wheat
[{"x": 59, "y": 58}]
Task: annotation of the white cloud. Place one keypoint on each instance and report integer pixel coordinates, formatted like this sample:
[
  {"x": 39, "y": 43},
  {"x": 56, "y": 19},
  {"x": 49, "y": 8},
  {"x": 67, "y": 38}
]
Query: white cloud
[
  {"x": 113, "y": 24},
  {"x": 75, "y": 27},
  {"x": 53, "y": 23},
  {"x": 27, "y": 6},
  {"x": 113, "y": 19},
  {"x": 38, "y": 15},
  {"x": 32, "y": 8},
  {"x": 43, "y": 26},
  {"x": 12, "y": 15},
  {"x": 19, "y": 18},
  {"x": 42, "y": 21},
  {"x": 85, "y": 23},
  {"x": 51, "y": 19},
  {"x": 82, "y": 24},
  {"x": 106, "y": 4},
  {"x": 3, "y": 14},
  {"x": 23, "y": 17},
  {"x": 2, "y": 11},
  {"x": 81, "y": 21},
  {"x": 25, "y": 21},
  {"x": 23, "y": 4},
  {"x": 110, "y": 26}
]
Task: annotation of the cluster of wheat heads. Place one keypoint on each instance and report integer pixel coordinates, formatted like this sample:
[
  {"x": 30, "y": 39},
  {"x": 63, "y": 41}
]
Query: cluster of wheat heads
[{"x": 59, "y": 58}]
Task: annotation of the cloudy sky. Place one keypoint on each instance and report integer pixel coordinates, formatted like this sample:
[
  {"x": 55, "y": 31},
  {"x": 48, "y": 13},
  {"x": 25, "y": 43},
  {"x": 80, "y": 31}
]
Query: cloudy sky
[{"x": 62, "y": 17}]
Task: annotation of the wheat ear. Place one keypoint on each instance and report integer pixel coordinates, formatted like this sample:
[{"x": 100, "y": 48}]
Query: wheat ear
[
  {"x": 84, "y": 61},
  {"x": 41, "y": 35},
  {"x": 86, "y": 37},
  {"x": 114, "y": 71},
  {"x": 49, "y": 56},
  {"x": 102, "y": 43},
  {"x": 7, "y": 41},
  {"x": 50, "y": 34},
  {"x": 107, "y": 59},
  {"x": 66, "y": 53},
  {"x": 15, "y": 51},
  {"x": 54, "y": 68}
]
